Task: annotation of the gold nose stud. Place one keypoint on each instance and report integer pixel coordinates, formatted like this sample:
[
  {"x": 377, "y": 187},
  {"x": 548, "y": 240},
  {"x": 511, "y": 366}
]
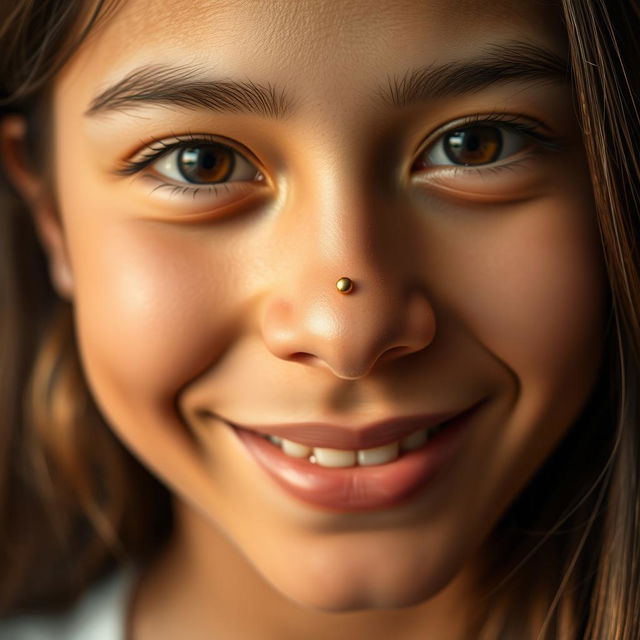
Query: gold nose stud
[{"x": 345, "y": 285}]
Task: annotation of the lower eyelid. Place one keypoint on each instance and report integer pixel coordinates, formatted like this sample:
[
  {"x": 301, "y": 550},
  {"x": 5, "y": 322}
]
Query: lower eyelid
[
  {"x": 161, "y": 182},
  {"x": 178, "y": 189},
  {"x": 511, "y": 181},
  {"x": 177, "y": 204}
]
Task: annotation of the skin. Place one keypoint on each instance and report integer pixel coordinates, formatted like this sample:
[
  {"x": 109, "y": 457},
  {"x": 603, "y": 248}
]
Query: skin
[{"x": 474, "y": 285}]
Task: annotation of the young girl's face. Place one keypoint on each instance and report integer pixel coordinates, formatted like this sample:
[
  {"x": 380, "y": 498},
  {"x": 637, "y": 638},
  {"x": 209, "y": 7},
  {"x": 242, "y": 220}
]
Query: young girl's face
[{"x": 220, "y": 165}]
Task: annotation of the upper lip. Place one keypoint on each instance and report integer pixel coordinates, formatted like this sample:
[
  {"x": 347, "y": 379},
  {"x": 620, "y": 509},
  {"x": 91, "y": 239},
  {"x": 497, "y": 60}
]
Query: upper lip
[{"x": 366, "y": 436}]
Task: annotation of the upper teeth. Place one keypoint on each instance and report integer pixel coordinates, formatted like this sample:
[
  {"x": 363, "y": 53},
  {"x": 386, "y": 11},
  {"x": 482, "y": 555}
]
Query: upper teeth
[{"x": 348, "y": 458}]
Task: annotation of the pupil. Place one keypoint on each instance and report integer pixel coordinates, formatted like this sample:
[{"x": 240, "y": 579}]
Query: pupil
[
  {"x": 473, "y": 146},
  {"x": 206, "y": 163}
]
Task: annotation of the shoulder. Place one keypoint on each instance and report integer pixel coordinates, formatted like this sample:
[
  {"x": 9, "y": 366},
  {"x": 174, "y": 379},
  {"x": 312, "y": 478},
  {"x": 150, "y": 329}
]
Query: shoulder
[{"x": 99, "y": 615}]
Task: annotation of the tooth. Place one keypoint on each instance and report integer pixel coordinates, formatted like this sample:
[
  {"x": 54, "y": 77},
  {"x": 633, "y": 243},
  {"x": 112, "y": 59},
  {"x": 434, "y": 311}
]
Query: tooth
[
  {"x": 334, "y": 457},
  {"x": 378, "y": 455},
  {"x": 295, "y": 449},
  {"x": 414, "y": 440},
  {"x": 274, "y": 439}
]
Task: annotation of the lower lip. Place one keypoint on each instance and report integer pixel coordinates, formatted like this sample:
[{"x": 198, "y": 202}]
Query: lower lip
[{"x": 359, "y": 488}]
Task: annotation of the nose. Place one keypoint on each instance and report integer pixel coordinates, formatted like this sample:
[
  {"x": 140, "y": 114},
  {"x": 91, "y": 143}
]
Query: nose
[
  {"x": 384, "y": 317},
  {"x": 348, "y": 334}
]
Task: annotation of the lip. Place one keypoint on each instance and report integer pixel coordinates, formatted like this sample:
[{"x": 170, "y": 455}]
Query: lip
[
  {"x": 360, "y": 488},
  {"x": 332, "y": 436}
]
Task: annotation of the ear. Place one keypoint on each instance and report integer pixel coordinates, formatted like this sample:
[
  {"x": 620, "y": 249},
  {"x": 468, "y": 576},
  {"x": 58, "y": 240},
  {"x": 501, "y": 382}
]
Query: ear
[{"x": 33, "y": 189}]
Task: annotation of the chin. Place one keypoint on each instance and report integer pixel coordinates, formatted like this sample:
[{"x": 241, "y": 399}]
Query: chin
[
  {"x": 354, "y": 600},
  {"x": 343, "y": 592}
]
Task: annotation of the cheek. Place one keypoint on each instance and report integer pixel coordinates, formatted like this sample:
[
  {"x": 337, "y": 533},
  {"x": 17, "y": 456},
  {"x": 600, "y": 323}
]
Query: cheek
[
  {"x": 149, "y": 314},
  {"x": 535, "y": 296}
]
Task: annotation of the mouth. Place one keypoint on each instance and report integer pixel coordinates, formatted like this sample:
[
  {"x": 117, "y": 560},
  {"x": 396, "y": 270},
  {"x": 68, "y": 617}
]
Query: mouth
[
  {"x": 403, "y": 460},
  {"x": 402, "y": 431},
  {"x": 337, "y": 458}
]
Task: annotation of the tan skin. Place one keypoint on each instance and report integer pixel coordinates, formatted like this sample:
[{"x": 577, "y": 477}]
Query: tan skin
[{"x": 474, "y": 284}]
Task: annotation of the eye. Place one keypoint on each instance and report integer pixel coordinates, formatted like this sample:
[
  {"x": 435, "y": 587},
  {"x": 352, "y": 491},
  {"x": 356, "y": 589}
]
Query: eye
[
  {"x": 474, "y": 146},
  {"x": 208, "y": 163}
]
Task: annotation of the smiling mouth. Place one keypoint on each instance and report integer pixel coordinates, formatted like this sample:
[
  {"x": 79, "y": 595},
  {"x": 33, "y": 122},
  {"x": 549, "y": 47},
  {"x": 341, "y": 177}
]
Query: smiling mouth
[
  {"x": 335, "y": 446},
  {"x": 328, "y": 457},
  {"x": 350, "y": 469}
]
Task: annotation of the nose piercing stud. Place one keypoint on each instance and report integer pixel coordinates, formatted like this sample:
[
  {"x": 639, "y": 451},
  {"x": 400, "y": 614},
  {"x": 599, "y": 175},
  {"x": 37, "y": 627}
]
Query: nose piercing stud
[{"x": 345, "y": 285}]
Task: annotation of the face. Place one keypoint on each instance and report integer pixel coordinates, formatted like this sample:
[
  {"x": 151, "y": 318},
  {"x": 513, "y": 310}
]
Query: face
[{"x": 205, "y": 225}]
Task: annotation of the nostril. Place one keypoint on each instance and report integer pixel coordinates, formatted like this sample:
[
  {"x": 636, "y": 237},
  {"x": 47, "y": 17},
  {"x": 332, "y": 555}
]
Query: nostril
[
  {"x": 304, "y": 358},
  {"x": 343, "y": 371},
  {"x": 393, "y": 353}
]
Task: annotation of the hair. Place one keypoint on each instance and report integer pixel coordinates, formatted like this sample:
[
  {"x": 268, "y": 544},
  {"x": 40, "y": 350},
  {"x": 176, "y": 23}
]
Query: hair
[
  {"x": 564, "y": 560},
  {"x": 68, "y": 514}
]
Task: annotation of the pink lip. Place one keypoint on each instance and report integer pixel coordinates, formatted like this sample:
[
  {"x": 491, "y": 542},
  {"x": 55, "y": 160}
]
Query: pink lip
[
  {"x": 359, "y": 488},
  {"x": 376, "y": 434}
]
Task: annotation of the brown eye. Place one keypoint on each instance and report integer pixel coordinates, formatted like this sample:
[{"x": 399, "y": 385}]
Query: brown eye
[
  {"x": 473, "y": 146},
  {"x": 206, "y": 164}
]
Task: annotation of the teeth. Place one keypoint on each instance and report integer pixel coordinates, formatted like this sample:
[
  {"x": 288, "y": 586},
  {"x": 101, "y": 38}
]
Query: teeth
[
  {"x": 413, "y": 440},
  {"x": 294, "y": 449},
  {"x": 326, "y": 457},
  {"x": 378, "y": 455},
  {"x": 334, "y": 457}
]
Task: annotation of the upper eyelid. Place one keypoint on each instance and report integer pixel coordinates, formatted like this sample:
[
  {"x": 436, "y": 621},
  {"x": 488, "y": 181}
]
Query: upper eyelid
[
  {"x": 518, "y": 124},
  {"x": 497, "y": 117},
  {"x": 147, "y": 155}
]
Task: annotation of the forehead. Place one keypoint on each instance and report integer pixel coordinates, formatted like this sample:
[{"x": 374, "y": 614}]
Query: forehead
[
  {"x": 288, "y": 38},
  {"x": 267, "y": 18}
]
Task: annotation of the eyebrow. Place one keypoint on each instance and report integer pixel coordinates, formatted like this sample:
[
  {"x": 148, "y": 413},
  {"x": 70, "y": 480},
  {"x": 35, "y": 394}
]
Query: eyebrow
[
  {"x": 515, "y": 61},
  {"x": 184, "y": 86}
]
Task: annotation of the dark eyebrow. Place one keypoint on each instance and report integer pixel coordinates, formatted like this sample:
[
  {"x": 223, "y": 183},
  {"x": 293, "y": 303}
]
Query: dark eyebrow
[
  {"x": 498, "y": 63},
  {"x": 184, "y": 86}
]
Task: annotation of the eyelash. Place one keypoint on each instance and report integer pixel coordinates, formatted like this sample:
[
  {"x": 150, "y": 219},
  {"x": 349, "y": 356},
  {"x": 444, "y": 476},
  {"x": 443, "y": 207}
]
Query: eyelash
[
  {"x": 159, "y": 148},
  {"x": 531, "y": 129}
]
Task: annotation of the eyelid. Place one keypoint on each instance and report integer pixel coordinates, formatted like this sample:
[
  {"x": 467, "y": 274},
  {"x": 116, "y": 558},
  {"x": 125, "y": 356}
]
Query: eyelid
[
  {"x": 522, "y": 125},
  {"x": 159, "y": 148},
  {"x": 168, "y": 167}
]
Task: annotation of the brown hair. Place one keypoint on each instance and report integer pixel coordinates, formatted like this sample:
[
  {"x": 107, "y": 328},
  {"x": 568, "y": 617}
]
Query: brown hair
[
  {"x": 67, "y": 509},
  {"x": 563, "y": 562}
]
